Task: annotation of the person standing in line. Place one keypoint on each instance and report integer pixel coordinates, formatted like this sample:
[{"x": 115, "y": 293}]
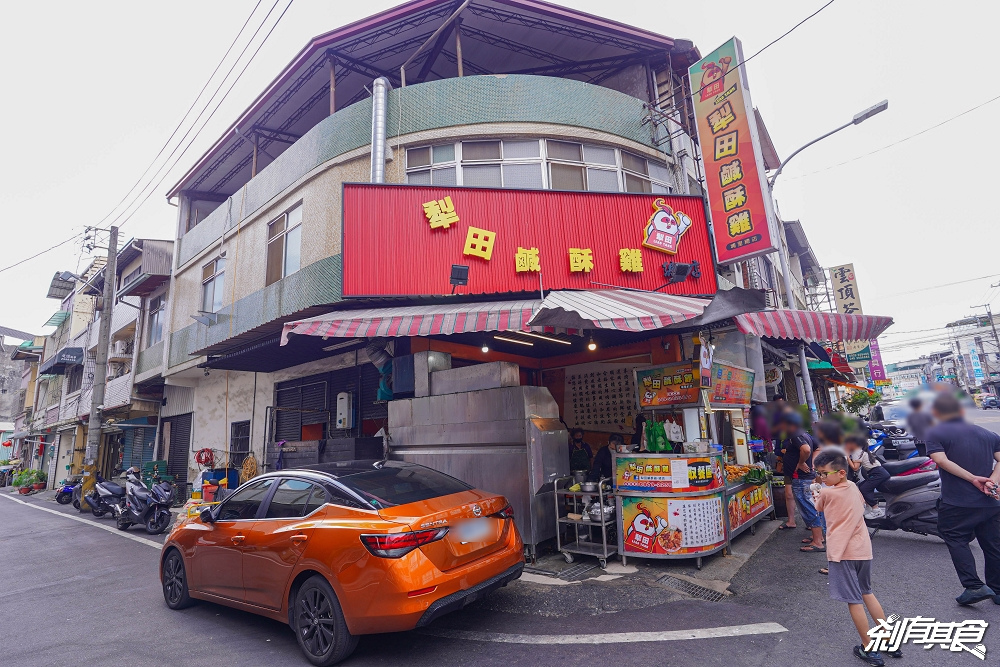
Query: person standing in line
[
  {"x": 798, "y": 448},
  {"x": 849, "y": 549},
  {"x": 787, "y": 468},
  {"x": 966, "y": 456},
  {"x": 918, "y": 422}
]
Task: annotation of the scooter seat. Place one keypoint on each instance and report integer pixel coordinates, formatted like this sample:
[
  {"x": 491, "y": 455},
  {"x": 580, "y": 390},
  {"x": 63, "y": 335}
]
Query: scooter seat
[
  {"x": 896, "y": 485},
  {"x": 896, "y": 467},
  {"x": 114, "y": 489}
]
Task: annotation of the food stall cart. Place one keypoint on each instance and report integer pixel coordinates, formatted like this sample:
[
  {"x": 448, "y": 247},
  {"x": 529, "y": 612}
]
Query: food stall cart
[{"x": 689, "y": 502}]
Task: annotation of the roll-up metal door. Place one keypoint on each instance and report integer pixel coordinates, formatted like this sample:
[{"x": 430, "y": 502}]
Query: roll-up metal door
[{"x": 179, "y": 429}]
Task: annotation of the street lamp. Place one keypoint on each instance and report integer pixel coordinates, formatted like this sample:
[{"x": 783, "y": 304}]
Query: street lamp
[{"x": 786, "y": 276}]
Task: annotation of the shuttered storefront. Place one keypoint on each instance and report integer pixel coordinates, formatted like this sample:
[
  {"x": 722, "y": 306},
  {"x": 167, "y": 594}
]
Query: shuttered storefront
[
  {"x": 137, "y": 442},
  {"x": 176, "y": 433}
]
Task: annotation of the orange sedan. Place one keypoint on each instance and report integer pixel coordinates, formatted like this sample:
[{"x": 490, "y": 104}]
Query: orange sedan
[{"x": 345, "y": 549}]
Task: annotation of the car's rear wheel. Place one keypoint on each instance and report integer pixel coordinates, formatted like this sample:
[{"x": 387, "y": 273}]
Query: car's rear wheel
[
  {"x": 175, "y": 587},
  {"x": 319, "y": 623}
]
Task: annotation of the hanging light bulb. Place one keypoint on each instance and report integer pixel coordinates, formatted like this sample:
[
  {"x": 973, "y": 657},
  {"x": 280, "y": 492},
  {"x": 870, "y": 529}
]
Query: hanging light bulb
[
  {"x": 486, "y": 348},
  {"x": 591, "y": 345}
]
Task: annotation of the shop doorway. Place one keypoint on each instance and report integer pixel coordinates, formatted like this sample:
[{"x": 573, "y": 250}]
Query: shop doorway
[{"x": 175, "y": 440}]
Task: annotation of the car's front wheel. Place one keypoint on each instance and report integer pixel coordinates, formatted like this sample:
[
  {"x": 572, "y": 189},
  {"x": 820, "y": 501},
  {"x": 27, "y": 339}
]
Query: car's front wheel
[
  {"x": 319, "y": 623},
  {"x": 175, "y": 587}
]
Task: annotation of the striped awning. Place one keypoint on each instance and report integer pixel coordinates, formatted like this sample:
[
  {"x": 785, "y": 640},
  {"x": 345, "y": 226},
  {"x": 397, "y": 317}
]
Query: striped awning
[
  {"x": 809, "y": 325},
  {"x": 622, "y": 310},
  {"x": 424, "y": 320}
]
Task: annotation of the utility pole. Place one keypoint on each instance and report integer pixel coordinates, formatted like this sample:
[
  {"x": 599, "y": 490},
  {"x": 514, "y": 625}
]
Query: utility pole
[
  {"x": 103, "y": 342},
  {"x": 996, "y": 339}
]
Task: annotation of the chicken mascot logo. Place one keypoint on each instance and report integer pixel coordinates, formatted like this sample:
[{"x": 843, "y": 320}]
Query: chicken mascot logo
[
  {"x": 665, "y": 228},
  {"x": 713, "y": 79}
]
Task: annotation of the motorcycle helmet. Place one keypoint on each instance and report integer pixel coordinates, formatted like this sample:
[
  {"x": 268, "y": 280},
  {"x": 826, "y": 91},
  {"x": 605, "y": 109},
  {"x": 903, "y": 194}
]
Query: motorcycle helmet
[{"x": 133, "y": 473}]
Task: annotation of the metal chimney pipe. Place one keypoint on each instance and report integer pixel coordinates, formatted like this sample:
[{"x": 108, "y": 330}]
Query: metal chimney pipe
[{"x": 380, "y": 95}]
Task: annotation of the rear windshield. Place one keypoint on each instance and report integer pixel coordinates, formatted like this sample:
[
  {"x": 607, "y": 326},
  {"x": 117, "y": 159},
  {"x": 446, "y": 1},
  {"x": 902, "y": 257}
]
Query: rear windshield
[{"x": 398, "y": 486}]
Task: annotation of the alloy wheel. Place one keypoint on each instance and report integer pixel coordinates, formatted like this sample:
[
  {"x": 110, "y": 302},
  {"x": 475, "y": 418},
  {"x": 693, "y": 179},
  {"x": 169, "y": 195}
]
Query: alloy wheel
[
  {"x": 173, "y": 579},
  {"x": 316, "y": 622}
]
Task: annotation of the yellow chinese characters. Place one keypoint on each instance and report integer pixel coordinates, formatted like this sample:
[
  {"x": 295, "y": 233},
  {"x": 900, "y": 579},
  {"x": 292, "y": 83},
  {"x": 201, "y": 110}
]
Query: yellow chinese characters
[
  {"x": 526, "y": 259},
  {"x": 479, "y": 243},
  {"x": 581, "y": 259},
  {"x": 730, "y": 172},
  {"x": 440, "y": 213},
  {"x": 630, "y": 260},
  {"x": 739, "y": 223},
  {"x": 727, "y": 144},
  {"x": 734, "y": 197},
  {"x": 722, "y": 117}
]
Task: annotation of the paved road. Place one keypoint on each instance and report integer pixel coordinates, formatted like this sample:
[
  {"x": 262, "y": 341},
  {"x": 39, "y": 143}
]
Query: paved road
[{"x": 74, "y": 593}]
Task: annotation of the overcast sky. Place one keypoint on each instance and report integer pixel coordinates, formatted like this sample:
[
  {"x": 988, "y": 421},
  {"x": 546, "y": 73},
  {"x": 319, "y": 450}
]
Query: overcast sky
[{"x": 92, "y": 90}]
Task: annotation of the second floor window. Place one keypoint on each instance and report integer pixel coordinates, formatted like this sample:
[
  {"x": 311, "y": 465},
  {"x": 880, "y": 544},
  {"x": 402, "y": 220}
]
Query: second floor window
[
  {"x": 213, "y": 278},
  {"x": 156, "y": 321},
  {"x": 74, "y": 379},
  {"x": 284, "y": 245}
]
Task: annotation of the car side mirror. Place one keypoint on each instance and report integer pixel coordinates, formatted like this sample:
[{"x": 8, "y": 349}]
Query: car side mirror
[{"x": 206, "y": 515}]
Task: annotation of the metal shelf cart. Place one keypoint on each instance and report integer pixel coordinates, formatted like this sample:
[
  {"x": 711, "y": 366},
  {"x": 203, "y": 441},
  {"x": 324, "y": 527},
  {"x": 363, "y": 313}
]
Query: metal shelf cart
[{"x": 574, "y": 502}]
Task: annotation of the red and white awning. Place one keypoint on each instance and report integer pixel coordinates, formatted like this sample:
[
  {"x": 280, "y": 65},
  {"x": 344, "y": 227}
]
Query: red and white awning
[
  {"x": 429, "y": 320},
  {"x": 809, "y": 325},
  {"x": 622, "y": 310}
]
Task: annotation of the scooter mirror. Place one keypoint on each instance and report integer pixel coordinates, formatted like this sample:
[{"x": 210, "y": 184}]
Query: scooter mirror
[{"x": 206, "y": 515}]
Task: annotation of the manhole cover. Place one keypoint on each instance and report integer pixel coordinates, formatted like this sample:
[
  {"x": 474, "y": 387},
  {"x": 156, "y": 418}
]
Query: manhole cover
[{"x": 694, "y": 590}]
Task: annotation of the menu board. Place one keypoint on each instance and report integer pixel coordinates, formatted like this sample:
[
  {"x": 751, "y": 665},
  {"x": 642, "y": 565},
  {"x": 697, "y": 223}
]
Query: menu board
[
  {"x": 660, "y": 474},
  {"x": 676, "y": 384},
  {"x": 600, "y": 397},
  {"x": 731, "y": 385},
  {"x": 751, "y": 502},
  {"x": 672, "y": 526}
]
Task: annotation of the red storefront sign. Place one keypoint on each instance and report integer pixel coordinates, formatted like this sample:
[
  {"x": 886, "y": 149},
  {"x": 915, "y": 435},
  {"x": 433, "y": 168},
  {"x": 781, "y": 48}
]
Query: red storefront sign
[
  {"x": 403, "y": 240},
  {"x": 738, "y": 196}
]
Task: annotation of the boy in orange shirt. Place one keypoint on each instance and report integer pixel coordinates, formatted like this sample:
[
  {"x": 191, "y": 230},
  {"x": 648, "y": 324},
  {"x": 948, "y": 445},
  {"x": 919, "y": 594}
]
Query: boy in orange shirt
[{"x": 848, "y": 548}]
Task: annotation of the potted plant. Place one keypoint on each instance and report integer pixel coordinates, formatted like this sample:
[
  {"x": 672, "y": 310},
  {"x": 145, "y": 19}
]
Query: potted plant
[
  {"x": 23, "y": 481},
  {"x": 41, "y": 477}
]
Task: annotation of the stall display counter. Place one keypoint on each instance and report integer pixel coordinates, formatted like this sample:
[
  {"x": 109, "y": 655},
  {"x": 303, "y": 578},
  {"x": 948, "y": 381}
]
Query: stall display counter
[
  {"x": 593, "y": 539},
  {"x": 680, "y": 505}
]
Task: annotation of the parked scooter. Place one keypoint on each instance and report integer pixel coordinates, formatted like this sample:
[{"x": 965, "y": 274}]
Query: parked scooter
[
  {"x": 64, "y": 496},
  {"x": 911, "y": 503},
  {"x": 106, "y": 497},
  {"x": 150, "y": 507}
]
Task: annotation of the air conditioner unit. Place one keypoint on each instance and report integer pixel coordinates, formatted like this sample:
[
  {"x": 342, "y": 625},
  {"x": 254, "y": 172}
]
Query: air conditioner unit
[{"x": 120, "y": 348}]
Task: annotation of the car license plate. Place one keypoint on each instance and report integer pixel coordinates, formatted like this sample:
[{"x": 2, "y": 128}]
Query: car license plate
[{"x": 475, "y": 530}]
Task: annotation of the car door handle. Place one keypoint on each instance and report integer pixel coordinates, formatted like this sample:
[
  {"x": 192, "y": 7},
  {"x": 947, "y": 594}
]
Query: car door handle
[
  {"x": 299, "y": 539},
  {"x": 238, "y": 539}
]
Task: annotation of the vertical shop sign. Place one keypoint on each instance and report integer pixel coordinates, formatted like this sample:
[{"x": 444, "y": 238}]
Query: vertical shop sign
[
  {"x": 875, "y": 367},
  {"x": 977, "y": 367},
  {"x": 743, "y": 221},
  {"x": 848, "y": 300}
]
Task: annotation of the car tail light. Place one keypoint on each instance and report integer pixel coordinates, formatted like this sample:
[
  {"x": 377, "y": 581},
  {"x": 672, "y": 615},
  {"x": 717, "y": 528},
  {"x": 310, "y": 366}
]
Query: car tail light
[
  {"x": 506, "y": 513},
  {"x": 397, "y": 545}
]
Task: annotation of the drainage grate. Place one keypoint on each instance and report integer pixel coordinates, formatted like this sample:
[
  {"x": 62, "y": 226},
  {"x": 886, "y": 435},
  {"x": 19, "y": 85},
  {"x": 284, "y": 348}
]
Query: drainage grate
[
  {"x": 576, "y": 572},
  {"x": 538, "y": 570},
  {"x": 694, "y": 590}
]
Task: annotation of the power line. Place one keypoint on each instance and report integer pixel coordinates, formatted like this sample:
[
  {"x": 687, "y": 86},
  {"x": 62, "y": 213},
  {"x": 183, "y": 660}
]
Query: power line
[
  {"x": 187, "y": 113},
  {"x": 128, "y": 213},
  {"x": 900, "y": 141},
  {"x": 39, "y": 254},
  {"x": 932, "y": 287},
  {"x": 767, "y": 46},
  {"x": 180, "y": 124}
]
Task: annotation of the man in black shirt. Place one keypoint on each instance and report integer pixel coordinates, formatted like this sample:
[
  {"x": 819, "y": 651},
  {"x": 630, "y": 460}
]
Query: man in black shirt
[
  {"x": 797, "y": 449},
  {"x": 966, "y": 455},
  {"x": 603, "y": 458}
]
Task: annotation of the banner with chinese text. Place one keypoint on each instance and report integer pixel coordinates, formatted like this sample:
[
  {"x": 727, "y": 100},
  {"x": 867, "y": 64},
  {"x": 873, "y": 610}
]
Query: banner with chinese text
[
  {"x": 848, "y": 300},
  {"x": 663, "y": 474},
  {"x": 743, "y": 221},
  {"x": 672, "y": 526},
  {"x": 676, "y": 384},
  {"x": 402, "y": 240}
]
